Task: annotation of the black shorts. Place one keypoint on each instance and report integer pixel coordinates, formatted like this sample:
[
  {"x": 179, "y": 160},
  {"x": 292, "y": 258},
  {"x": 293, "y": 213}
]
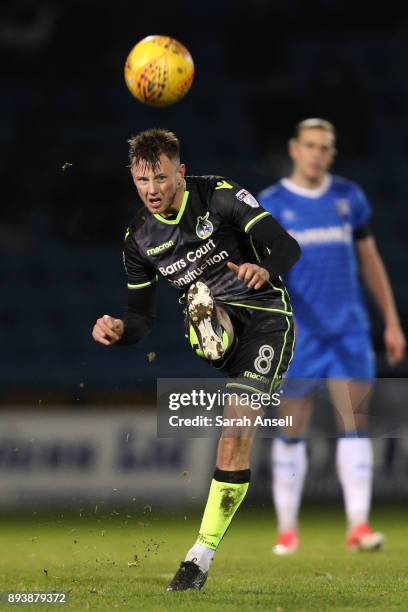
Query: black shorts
[{"x": 262, "y": 351}]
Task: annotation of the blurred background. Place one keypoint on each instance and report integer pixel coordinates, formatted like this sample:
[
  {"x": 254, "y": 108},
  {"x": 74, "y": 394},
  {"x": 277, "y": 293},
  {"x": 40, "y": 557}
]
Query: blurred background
[{"x": 70, "y": 407}]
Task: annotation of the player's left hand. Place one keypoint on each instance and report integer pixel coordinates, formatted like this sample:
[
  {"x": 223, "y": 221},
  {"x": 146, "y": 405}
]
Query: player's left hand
[
  {"x": 252, "y": 275},
  {"x": 395, "y": 344}
]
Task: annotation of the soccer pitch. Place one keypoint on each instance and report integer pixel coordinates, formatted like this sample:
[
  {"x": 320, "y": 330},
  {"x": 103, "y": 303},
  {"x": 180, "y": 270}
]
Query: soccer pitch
[{"x": 124, "y": 561}]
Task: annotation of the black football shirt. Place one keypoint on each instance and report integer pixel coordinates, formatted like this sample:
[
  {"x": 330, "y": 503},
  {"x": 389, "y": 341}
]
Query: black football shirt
[{"x": 212, "y": 227}]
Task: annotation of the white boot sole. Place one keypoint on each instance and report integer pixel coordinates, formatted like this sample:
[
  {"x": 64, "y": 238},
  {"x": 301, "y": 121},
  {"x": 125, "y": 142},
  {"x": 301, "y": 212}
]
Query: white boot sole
[{"x": 200, "y": 310}]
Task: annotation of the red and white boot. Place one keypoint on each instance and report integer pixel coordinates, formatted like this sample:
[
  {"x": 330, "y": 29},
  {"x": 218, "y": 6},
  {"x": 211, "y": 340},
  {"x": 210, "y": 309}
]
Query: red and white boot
[
  {"x": 287, "y": 543},
  {"x": 362, "y": 537}
]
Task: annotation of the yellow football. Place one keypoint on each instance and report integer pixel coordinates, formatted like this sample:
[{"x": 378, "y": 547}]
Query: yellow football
[{"x": 159, "y": 71}]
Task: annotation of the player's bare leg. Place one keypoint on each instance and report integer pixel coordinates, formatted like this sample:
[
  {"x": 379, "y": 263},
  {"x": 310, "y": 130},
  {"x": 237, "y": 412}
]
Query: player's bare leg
[
  {"x": 289, "y": 466},
  {"x": 354, "y": 459}
]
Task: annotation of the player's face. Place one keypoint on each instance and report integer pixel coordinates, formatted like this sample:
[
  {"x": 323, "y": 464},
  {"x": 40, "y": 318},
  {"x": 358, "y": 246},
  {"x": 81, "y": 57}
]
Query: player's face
[
  {"x": 312, "y": 153},
  {"x": 158, "y": 188}
]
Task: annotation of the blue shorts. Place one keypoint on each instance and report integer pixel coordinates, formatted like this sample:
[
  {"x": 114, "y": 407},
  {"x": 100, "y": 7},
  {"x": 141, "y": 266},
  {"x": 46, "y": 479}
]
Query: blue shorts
[{"x": 350, "y": 356}]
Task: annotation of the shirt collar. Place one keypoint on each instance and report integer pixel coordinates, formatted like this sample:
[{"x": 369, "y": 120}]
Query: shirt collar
[{"x": 308, "y": 193}]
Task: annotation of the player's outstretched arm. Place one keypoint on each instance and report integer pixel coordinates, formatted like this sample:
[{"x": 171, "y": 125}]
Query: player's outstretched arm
[
  {"x": 108, "y": 330},
  {"x": 137, "y": 322},
  {"x": 377, "y": 282}
]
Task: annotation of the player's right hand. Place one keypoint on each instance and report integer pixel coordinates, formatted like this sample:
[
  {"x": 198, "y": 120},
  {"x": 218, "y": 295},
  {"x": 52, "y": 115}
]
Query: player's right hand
[
  {"x": 395, "y": 344},
  {"x": 108, "y": 330},
  {"x": 251, "y": 274}
]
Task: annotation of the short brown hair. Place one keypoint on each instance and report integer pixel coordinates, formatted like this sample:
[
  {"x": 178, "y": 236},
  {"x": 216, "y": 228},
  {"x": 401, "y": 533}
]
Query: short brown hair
[
  {"x": 315, "y": 122},
  {"x": 147, "y": 146}
]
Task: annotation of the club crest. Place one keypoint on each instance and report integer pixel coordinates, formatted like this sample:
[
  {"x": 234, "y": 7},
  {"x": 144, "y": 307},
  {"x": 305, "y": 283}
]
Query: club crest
[
  {"x": 342, "y": 207},
  {"x": 204, "y": 227},
  {"x": 288, "y": 215}
]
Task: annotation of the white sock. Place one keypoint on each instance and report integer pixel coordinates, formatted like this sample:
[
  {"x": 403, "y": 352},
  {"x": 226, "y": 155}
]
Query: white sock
[
  {"x": 201, "y": 555},
  {"x": 289, "y": 465},
  {"x": 354, "y": 459}
]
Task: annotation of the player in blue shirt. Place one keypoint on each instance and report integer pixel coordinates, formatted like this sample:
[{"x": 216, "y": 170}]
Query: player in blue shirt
[{"x": 330, "y": 218}]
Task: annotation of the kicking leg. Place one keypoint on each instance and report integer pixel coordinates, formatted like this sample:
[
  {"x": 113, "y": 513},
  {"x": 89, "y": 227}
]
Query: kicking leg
[{"x": 210, "y": 330}]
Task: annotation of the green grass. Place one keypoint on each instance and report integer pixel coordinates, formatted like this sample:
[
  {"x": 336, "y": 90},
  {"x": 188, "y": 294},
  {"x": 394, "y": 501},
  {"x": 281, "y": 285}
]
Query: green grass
[{"x": 89, "y": 557}]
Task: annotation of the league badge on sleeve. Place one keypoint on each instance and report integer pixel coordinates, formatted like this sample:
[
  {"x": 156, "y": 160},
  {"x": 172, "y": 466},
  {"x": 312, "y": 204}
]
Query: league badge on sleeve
[
  {"x": 244, "y": 196},
  {"x": 204, "y": 227}
]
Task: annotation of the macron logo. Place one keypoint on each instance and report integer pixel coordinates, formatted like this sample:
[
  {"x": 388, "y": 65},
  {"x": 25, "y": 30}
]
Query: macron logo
[
  {"x": 160, "y": 248},
  {"x": 324, "y": 235}
]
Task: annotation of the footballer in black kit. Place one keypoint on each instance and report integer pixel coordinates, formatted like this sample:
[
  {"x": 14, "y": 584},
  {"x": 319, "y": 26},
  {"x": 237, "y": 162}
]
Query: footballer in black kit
[
  {"x": 219, "y": 222},
  {"x": 212, "y": 241}
]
